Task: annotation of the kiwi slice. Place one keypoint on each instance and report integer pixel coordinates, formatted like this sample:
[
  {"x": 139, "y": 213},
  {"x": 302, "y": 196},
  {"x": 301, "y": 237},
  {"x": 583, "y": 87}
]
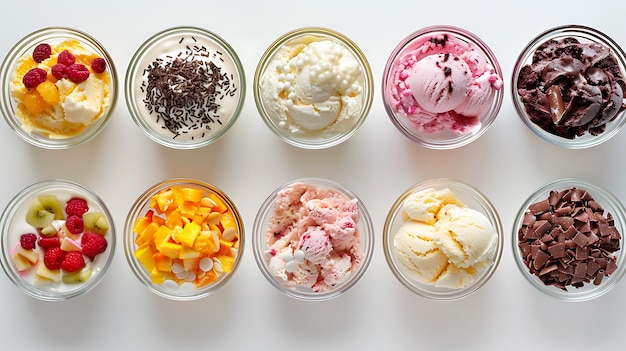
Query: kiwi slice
[
  {"x": 38, "y": 216},
  {"x": 51, "y": 204},
  {"x": 95, "y": 222},
  {"x": 77, "y": 277}
]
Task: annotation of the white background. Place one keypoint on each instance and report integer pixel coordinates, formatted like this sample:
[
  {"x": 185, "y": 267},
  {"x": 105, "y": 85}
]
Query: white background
[{"x": 507, "y": 163}]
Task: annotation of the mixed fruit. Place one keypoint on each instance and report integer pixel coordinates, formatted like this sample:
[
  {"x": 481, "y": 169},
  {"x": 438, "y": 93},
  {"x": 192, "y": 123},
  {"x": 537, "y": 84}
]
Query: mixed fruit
[
  {"x": 186, "y": 236},
  {"x": 62, "y": 242}
]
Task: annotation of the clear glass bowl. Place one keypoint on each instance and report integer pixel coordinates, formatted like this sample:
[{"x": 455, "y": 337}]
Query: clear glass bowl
[
  {"x": 584, "y": 35},
  {"x": 194, "y": 111},
  {"x": 313, "y": 88},
  {"x": 15, "y": 113},
  {"x": 434, "y": 129},
  {"x": 605, "y": 200},
  {"x": 32, "y": 278},
  {"x": 183, "y": 239},
  {"x": 294, "y": 270},
  {"x": 471, "y": 198}
]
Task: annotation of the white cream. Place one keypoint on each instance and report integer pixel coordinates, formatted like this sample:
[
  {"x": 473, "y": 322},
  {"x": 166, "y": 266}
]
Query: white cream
[{"x": 313, "y": 88}]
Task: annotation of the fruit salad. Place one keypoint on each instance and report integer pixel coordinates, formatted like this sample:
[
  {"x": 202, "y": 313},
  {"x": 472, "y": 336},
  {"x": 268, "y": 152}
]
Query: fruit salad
[
  {"x": 60, "y": 88},
  {"x": 187, "y": 238},
  {"x": 58, "y": 240}
]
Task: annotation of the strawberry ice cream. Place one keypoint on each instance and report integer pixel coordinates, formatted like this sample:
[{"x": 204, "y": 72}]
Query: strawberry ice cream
[
  {"x": 313, "y": 239},
  {"x": 439, "y": 82}
]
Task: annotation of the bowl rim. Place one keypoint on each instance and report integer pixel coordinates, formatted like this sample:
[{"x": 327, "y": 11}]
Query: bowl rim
[
  {"x": 619, "y": 216},
  {"x": 6, "y": 219},
  {"x": 488, "y": 209},
  {"x": 489, "y": 117},
  {"x": 7, "y": 101},
  {"x": 324, "y": 32},
  {"x": 563, "y": 31},
  {"x": 259, "y": 244},
  {"x": 133, "y": 70},
  {"x": 141, "y": 204}
]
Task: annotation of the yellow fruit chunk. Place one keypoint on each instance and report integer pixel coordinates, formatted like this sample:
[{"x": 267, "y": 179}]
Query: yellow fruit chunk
[
  {"x": 170, "y": 249},
  {"x": 34, "y": 103},
  {"x": 189, "y": 233},
  {"x": 193, "y": 195},
  {"x": 206, "y": 279},
  {"x": 147, "y": 234},
  {"x": 219, "y": 204},
  {"x": 158, "y": 277},
  {"x": 162, "y": 262},
  {"x": 225, "y": 247},
  {"x": 49, "y": 92},
  {"x": 145, "y": 256},
  {"x": 188, "y": 253},
  {"x": 21, "y": 262},
  {"x": 205, "y": 244},
  {"x": 227, "y": 262}
]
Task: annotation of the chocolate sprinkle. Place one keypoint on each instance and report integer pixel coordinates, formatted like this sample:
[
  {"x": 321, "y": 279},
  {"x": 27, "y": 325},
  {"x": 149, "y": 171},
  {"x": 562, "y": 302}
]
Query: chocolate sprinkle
[
  {"x": 566, "y": 240},
  {"x": 183, "y": 90}
]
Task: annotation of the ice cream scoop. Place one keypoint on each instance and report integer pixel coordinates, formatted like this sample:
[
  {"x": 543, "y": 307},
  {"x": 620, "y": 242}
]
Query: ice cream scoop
[
  {"x": 418, "y": 253},
  {"x": 424, "y": 205}
]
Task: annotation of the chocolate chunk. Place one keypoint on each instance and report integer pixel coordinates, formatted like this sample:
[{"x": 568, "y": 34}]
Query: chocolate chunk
[{"x": 569, "y": 241}]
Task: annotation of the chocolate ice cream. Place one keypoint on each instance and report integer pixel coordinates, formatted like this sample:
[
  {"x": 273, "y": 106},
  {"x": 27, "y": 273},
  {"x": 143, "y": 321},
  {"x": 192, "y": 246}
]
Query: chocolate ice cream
[{"x": 572, "y": 88}]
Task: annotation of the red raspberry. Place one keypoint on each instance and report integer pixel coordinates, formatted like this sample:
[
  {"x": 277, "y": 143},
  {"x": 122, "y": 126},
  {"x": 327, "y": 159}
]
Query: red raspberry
[
  {"x": 59, "y": 71},
  {"x": 28, "y": 241},
  {"x": 98, "y": 65},
  {"x": 77, "y": 72},
  {"x": 74, "y": 224},
  {"x": 34, "y": 77},
  {"x": 42, "y": 52},
  {"x": 93, "y": 244},
  {"x": 49, "y": 242},
  {"x": 53, "y": 258},
  {"x": 76, "y": 206},
  {"x": 73, "y": 261},
  {"x": 66, "y": 58}
]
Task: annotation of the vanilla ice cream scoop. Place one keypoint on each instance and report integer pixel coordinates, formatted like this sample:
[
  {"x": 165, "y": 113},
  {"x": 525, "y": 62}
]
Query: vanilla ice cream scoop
[
  {"x": 416, "y": 249},
  {"x": 440, "y": 82},
  {"x": 424, "y": 205},
  {"x": 465, "y": 235}
]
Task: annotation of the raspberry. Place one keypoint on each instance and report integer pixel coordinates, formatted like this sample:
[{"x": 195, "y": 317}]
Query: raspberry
[
  {"x": 98, "y": 65},
  {"x": 66, "y": 58},
  {"x": 93, "y": 244},
  {"x": 42, "y": 52},
  {"x": 76, "y": 206},
  {"x": 53, "y": 258},
  {"x": 75, "y": 224},
  {"x": 77, "y": 72},
  {"x": 73, "y": 262},
  {"x": 59, "y": 71},
  {"x": 28, "y": 241},
  {"x": 49, "y": 242},
  {"x": 34, "y": 77}
]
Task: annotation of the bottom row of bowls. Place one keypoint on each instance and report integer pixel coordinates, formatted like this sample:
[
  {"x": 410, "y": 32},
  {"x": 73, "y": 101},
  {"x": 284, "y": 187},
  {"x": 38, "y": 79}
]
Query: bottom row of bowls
[{"x": 313, "y": 239}]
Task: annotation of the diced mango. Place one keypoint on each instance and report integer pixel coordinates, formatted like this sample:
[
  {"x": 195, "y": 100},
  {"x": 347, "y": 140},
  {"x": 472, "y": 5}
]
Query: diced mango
[
  {"x": 144, "y": 255},
  {"x": 228, "y": 220},
  {"x": 225, "y": 247},
  {"x": 163, "y": 263},
  {"x": 158, "y": 277},
  {"x": 205, "y": 244},
  {"x": 49, "y": 93},
  {"x": 191, "y": 194},
  {"x": 187, "y": 253},
  {"x": 34, "y": 102},
  {"x": 147, "y": 234},
  {"x": 170, "y": 249},
  {"x": 161, "y": 235},
  {"x": 191, "y": 264},
  {"x": 188, "y": 235},
  {"x": 227, "y": 262},
  {"x": 141, "y": 223},
  {"x": 174, "y": 219},
  {"x": 206, "y": 279}
]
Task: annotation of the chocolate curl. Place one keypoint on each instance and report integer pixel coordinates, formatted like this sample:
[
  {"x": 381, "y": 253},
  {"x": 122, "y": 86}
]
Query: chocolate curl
[{"x": 555, "y": 100}]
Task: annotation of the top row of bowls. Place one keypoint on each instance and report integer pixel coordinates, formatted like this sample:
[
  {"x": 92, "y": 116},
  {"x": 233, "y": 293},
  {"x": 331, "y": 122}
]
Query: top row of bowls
[{"x": 442, "y": 87}]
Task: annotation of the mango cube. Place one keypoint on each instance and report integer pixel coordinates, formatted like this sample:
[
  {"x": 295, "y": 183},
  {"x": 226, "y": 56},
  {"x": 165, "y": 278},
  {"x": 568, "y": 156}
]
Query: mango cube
[{"x": 189, "y": 233}]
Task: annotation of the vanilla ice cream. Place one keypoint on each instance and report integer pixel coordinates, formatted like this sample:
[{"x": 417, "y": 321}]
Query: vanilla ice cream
[
  {"x": 441, "y": 242},
  {"x": 75, "y": 106},
  {"x": 313, "y": 87}
]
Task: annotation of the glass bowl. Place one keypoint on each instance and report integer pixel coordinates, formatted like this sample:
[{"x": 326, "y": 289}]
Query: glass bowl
[
  {"x": 429, "y": 261},
  {"x": 313, "y": 88},
  {"x": 312, "y": 239},
  {"x": 42, "y": 227},
  {"x": 191, "y": 109},
  {"x": 551, "y": 266},
  {"x": 60, "y": 110},
  {"x": 442, "y": 87},
  {"x": 183, "y": 239},
  {"x": 542, "y": 100}
]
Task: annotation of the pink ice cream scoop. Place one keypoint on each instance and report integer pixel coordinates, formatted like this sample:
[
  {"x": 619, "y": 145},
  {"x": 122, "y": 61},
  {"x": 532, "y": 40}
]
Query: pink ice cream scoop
[
  {"x": 315, "y": 245},
  {"x": 441, "y": 83}
]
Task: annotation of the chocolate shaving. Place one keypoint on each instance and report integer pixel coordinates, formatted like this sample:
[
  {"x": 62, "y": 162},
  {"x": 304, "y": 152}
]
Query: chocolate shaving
[{"x": 567, "y": 241}]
